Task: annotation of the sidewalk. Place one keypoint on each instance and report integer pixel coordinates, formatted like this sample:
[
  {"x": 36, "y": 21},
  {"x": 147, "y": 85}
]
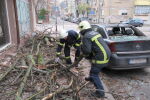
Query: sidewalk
[{"x": 60, "y": 24}]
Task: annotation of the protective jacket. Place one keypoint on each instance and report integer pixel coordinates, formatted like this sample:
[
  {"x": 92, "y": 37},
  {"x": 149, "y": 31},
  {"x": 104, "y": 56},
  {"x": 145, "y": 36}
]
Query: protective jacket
[
  {"x": 95, "y": 47},
  {"x": 73, "y": 39}
]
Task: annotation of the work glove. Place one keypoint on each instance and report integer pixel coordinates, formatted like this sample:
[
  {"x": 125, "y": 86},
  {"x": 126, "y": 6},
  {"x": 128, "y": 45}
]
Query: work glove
[{"x": 57, "y": 59}]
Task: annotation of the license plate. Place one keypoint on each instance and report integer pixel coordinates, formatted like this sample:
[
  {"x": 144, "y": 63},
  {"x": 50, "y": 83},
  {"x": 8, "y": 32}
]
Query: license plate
[{"x": 137, "y": 61}]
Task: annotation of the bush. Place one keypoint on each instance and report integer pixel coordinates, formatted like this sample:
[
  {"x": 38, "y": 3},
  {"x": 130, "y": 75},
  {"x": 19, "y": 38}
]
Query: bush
[{"x": 42, "y": 14}]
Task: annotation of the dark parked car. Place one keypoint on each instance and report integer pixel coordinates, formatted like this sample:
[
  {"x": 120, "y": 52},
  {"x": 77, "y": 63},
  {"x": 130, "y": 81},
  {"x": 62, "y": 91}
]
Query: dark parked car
[
  {"x": 129, "y": 46},
  {"x": 65, "y": 18},
  {"x": 83, "y": 18},
  {"x": 74, "y": 20},
  {"x": 135, "y": 22}
]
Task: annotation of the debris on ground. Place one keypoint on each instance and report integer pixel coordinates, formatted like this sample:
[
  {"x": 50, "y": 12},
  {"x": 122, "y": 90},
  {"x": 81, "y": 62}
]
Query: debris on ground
[{"x": 34, "y": 75}]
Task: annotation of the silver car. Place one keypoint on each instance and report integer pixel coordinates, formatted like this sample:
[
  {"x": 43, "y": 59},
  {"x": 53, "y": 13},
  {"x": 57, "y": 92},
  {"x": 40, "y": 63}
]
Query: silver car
[{"x": 129, "y": 46}]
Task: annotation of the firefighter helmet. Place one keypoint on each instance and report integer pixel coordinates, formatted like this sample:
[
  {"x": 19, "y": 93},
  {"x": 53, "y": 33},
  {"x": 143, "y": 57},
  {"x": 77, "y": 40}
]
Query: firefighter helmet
[
  {"x": 63, "y": 33},
  {"x": 84, "y": 25}
]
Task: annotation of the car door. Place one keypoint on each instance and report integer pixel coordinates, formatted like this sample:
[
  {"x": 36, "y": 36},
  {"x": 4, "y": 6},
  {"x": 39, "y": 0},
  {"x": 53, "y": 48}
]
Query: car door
[{"x": 132, "y": 22}]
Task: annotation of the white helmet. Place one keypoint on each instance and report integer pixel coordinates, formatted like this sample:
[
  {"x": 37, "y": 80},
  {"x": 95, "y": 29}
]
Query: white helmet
[
  {"x": 84, "y": 25},
  {"x": 63, "y": 33}
]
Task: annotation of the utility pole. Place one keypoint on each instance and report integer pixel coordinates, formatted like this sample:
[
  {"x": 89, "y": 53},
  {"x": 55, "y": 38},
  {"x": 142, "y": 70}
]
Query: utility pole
[
  {"x": 110, "y": 7},
  {"x": 76, "y": 6},
  {"x": 101, "y": 2},
  {"x": 56, "y": 14},
  {"x": 87, "y": 9}
]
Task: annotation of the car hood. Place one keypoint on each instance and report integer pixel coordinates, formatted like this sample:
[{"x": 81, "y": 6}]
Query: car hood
[{"x": 128, "y": 38}]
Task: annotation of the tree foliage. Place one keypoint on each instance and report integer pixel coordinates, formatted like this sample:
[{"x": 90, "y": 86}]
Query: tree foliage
[
  {"x": 83, "y": 8},
  {"x": 42, "y": 13}
]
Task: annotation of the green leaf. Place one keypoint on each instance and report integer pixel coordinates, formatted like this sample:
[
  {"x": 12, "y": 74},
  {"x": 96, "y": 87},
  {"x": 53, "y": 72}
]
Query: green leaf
[{"x": 40, "y": 59}]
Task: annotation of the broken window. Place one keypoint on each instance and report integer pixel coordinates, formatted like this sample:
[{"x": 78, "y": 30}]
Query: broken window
[
  {"x": 4, "y": 33},
  {"x": 120, "y": 31}
]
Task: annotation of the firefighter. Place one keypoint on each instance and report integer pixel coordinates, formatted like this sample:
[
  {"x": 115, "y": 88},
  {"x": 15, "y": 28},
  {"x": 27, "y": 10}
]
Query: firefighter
[
  {"x": 67, "y": 40},
  {"x": 94, "y": 48}
]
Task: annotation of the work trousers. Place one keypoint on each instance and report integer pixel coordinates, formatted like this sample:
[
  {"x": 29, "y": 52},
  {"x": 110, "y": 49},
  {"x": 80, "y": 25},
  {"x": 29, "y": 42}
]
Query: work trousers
[
  {"x": 94, "y": 77},
  {"x": 67, "y": 53}
]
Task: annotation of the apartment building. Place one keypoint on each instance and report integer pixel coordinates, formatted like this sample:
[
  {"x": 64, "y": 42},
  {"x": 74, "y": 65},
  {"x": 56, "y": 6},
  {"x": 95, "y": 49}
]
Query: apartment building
[{"x": 114, "y": 11}]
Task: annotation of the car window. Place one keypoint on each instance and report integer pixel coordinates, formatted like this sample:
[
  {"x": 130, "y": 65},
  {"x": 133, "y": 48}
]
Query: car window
[
  {"x": 119, "y": 31},
  {"x": 132, "y": 21}
]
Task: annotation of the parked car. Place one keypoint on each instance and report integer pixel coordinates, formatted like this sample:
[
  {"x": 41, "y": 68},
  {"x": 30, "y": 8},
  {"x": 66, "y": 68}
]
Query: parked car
[
  {"x": 65, "y": 18},
  {"x": 129, "y": 46},
  {"x": 135, "y": 22},
  {"x": 74, "y": 20},
  {"x": 83, "y": 18}
]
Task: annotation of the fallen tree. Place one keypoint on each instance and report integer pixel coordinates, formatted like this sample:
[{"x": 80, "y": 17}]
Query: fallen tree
[{"x": 35, "y": 75}]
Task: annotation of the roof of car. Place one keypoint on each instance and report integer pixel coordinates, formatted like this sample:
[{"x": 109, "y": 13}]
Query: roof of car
[{"x": 113, "y": 25}]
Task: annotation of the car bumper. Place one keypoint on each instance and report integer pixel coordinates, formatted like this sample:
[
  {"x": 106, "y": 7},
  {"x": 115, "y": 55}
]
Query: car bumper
[{"x": 124, "y": 62}]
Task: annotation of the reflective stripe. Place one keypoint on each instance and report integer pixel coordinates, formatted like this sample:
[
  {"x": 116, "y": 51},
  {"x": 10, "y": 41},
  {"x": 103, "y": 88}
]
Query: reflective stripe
[
  {"x": 58, "y": 53},
  {"x": 62, "y": 44},
  {"x": 101, "y": 48},
  {"x": 78, "y": 36},
  {"x": 95, "y": 37},
  {"x": 78, "y": 44},
  {"x": 99, "y": 62},
  {"x": 67, "y": 57}
]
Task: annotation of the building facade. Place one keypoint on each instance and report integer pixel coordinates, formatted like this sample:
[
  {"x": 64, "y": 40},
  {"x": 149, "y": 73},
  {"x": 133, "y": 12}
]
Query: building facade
[
  {"x": 95, "y": 10},
  {"x": 114, "y": 11},
  {"x": 142, "y": 9},
  {"x": 16, "y": 21},
  {"x": 110, "y": 11}
]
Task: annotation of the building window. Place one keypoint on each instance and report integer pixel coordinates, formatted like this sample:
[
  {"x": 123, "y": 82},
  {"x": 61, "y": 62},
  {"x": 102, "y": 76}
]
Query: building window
[
  {"x": 123, "y": 12},
  {"x": 103, "y": 12},
  {"x": 142, "y": 10},
  {"x": 4, "y": 33}
]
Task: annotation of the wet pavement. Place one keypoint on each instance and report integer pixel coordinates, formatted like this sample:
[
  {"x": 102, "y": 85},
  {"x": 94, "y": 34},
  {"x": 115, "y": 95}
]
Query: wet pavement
[{"x": 128, "y": 84}]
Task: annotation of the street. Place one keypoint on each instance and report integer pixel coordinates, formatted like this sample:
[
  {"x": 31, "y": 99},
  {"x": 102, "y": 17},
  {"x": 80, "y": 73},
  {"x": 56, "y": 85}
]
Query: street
[
  {"x": 125, "y": 84},
  {"x": 128, "y": 84},
  {"x": 35, "y": 63}
]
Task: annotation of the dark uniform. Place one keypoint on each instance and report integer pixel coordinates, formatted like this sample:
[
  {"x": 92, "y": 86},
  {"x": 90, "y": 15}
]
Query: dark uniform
[
  {"x": 73, "y": 39},
  {"x": 95, "y": 47}
]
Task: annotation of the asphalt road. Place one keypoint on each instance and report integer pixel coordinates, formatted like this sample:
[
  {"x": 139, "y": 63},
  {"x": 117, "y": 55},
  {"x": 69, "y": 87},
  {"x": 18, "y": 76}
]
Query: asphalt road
[{"x": 128, "y": 84}]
